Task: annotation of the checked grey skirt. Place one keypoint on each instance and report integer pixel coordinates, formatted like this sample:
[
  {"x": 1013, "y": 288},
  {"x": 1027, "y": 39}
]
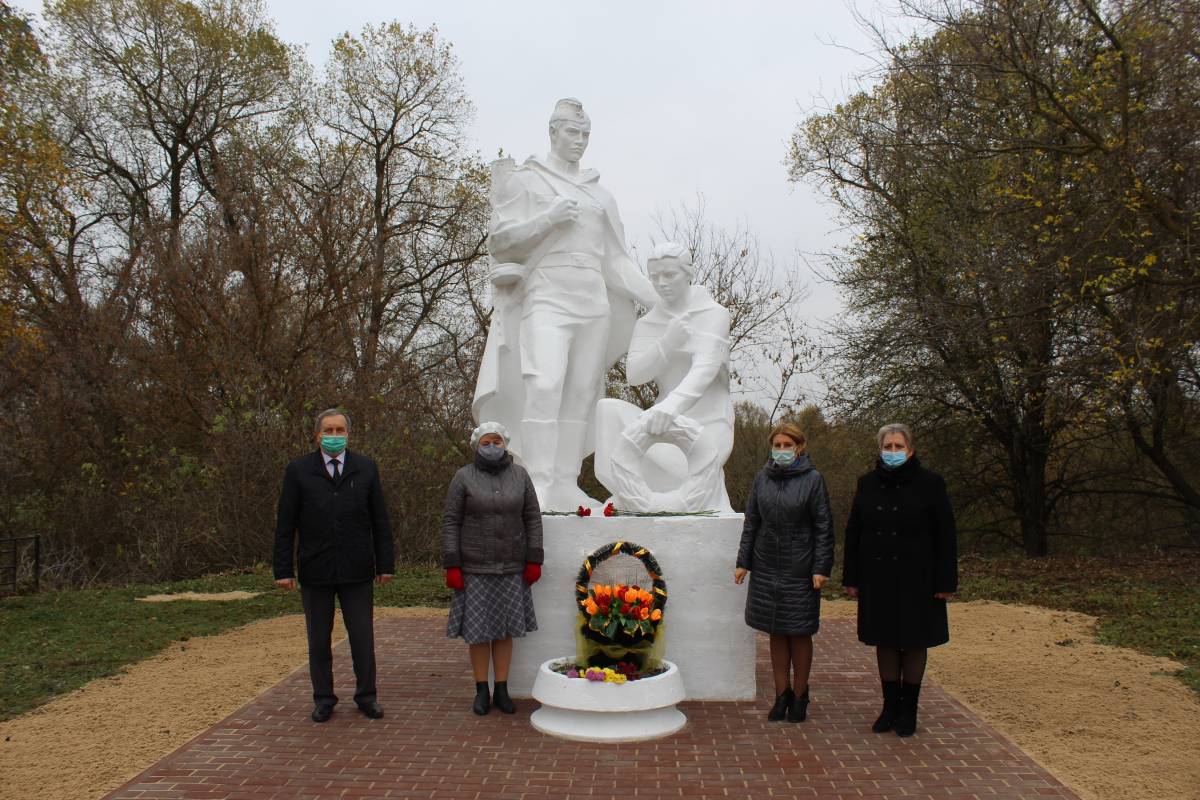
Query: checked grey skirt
[{"x": 491, "y": 607}]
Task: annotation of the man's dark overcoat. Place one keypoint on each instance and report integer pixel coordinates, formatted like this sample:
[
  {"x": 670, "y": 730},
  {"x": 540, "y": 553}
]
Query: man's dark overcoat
[
  {"x": 344, "y": 533},
  {"x": 901, "y": 548},
  {"x": 787, "y": 537}
]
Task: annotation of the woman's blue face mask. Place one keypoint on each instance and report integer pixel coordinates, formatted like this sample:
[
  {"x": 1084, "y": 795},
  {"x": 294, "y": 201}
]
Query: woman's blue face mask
[
  {"x": 893, "y": 458},
  {"x": 783, "y": 457}
]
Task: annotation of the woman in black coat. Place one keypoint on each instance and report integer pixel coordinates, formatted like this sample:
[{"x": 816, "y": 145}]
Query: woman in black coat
[
  {"x": 901, "y": 563},
  {"x": 787, "y": 548}
]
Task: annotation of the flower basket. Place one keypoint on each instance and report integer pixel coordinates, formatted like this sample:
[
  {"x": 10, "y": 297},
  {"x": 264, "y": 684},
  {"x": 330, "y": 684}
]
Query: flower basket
[{"x": 620, "y": 622}]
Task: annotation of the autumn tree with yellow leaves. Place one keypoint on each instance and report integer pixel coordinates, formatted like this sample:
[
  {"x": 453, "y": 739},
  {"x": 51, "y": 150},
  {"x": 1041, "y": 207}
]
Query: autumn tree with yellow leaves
[
  {"x": 1023, "y": 176},
  {"x": 205, "y": 243}
]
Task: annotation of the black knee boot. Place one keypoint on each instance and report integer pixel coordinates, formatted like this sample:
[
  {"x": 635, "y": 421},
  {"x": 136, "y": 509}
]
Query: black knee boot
[
  {"x": 482, "y": 704},
  {"x": 905, "y": 723},
  {"x": 501, "y": 700},
  {"x": 891, "y": 704},
  {"x": 782, "y": 703},
  {"x": 798, "y": 712}
]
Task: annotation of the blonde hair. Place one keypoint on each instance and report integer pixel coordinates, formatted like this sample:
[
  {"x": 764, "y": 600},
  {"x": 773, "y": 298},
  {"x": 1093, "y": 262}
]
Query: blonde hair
[{"x": 790, "y": 430}]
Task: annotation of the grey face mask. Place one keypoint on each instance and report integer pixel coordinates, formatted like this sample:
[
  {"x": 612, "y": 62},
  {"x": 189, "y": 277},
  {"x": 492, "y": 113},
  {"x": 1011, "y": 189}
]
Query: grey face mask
[{"x": 492, "y": 452}]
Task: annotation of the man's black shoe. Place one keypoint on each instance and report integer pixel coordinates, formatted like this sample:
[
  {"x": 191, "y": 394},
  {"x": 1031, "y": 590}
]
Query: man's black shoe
[
  {"x": 371, "y": 709},
  {"x": 321, "y": 712}
]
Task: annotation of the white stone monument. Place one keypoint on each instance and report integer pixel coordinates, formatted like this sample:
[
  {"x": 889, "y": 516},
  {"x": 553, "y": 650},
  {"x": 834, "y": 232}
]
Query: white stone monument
[
  {"x": 706, "y": 633},
  {"x": 565, "y": 288},
  {"x": 564, "y": 312}
]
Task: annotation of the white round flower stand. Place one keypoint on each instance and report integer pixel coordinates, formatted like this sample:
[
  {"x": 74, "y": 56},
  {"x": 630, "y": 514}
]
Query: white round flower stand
[{"x": 592, "y": 711}]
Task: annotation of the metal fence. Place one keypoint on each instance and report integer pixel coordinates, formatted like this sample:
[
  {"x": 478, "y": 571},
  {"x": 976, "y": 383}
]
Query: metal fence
[{"x": 12, "y": 550}]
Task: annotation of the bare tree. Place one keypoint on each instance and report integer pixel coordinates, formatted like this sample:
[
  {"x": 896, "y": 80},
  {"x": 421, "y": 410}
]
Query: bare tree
[
  {"x": 389, "y": 127},
  {"x": 770, "y": 345}
]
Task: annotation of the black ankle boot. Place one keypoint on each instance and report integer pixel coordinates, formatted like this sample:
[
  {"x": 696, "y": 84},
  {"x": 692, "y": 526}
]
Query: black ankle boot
[
  {"x": 891, "y": 704},
  {"x": 905, "y": 723},
  {"x": 782, "y": 703},
  {"x": 798, "y": 711},
  {"x": 501, "y": 700},
  {"x": 481, "y": 705}
]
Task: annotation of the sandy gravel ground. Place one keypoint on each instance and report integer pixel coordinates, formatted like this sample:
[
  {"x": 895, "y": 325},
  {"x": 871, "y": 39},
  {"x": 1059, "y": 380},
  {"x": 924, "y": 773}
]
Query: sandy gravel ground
[
  {"x": 87, "y": 743},
  {"x": 1107, "y": 721},
  {"x": 211, "y": 596}
]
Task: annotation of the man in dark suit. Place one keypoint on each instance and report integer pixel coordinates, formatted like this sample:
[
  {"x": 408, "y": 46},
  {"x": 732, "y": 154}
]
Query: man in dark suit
[{"x": 332, "y": 513}]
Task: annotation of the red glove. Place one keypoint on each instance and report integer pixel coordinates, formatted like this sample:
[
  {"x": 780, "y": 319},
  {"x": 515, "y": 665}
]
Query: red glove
[
  {"x": 532, "y": 572},
  {"x": 454, "y": 578}
]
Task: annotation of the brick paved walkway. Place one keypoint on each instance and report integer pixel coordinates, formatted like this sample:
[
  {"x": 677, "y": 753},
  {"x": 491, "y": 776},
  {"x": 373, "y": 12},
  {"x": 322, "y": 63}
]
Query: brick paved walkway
[{"x": 430, "y": 745}]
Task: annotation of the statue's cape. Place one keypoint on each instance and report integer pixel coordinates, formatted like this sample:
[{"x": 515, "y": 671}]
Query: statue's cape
[{"x": 500, "y": 390}]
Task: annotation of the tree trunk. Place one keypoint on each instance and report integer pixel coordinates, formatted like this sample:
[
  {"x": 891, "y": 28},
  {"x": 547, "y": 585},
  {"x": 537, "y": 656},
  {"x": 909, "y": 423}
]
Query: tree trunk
[{"x": 1028, "y": 460}]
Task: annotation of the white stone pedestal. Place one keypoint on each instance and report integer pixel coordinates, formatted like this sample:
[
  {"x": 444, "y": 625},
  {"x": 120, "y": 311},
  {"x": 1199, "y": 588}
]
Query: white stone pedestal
[
  {"x": 583, "y": 711},
  {"x": 707, "y": 637}
]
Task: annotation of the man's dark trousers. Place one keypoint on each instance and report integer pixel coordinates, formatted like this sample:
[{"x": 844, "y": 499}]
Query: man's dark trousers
[{"x": 357, "y": 602}]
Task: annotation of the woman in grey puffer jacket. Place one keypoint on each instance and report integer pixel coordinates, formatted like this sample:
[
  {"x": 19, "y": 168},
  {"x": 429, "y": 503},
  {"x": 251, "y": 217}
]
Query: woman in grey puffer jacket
[
  {"x": 492, "y": 552},
  {"x": 787, "y": 547}
]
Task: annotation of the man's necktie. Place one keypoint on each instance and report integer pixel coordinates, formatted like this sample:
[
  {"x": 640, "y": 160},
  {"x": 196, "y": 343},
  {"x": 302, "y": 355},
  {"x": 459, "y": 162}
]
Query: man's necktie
[{"x": 337, "y": 469}]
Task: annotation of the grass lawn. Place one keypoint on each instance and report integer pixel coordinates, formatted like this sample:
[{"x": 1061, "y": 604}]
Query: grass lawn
[
  {"x": 54, "y": 642},
  {"x": 1151, "y": 604},
  {"x": 58, "y": 641}
]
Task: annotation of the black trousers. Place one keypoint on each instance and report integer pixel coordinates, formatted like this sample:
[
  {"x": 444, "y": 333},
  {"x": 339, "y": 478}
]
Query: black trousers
[{"x": 358, "y": 604}]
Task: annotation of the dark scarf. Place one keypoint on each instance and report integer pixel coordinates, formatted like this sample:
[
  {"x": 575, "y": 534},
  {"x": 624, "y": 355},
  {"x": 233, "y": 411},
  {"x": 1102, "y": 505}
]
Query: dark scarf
[
  {"x": 493, "y": 466},
  {"x": 899, "y": 475}
]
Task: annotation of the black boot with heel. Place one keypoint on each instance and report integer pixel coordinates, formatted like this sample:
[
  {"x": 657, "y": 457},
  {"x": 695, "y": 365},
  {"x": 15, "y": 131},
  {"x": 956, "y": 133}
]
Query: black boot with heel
[
  {"x": 783, "y": 701},
  {"x": 798, "y": 711},
  {"x": 891, "y": 705},
  {"x": 906, "y": 718}
]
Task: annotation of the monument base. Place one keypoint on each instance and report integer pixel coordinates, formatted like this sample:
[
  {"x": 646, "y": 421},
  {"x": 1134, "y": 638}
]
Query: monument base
[
  {"x": 586, "y": 711},
  {"x": 706, "y": 635}
]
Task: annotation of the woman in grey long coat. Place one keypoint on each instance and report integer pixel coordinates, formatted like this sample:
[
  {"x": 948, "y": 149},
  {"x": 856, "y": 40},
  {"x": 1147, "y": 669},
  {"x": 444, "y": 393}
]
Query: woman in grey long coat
[
  {"x": 492, "y": 552},
  {"x": 787, "y": 548}
]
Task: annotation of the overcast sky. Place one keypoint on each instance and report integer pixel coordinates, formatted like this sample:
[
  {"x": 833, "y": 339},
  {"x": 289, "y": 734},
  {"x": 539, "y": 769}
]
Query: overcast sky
[{"x": 685, "y": 97}]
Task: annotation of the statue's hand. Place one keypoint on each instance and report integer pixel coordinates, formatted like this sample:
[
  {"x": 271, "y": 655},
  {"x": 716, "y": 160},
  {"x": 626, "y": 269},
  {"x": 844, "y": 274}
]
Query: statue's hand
[
  {"x": 657, "y": 420},
  {"x": 679, "y": 333},
  {"x": 562, "y": 210}
]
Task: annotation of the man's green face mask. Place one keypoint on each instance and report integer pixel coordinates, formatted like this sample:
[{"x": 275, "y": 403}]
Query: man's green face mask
[{"x": 333, "y": 445}]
